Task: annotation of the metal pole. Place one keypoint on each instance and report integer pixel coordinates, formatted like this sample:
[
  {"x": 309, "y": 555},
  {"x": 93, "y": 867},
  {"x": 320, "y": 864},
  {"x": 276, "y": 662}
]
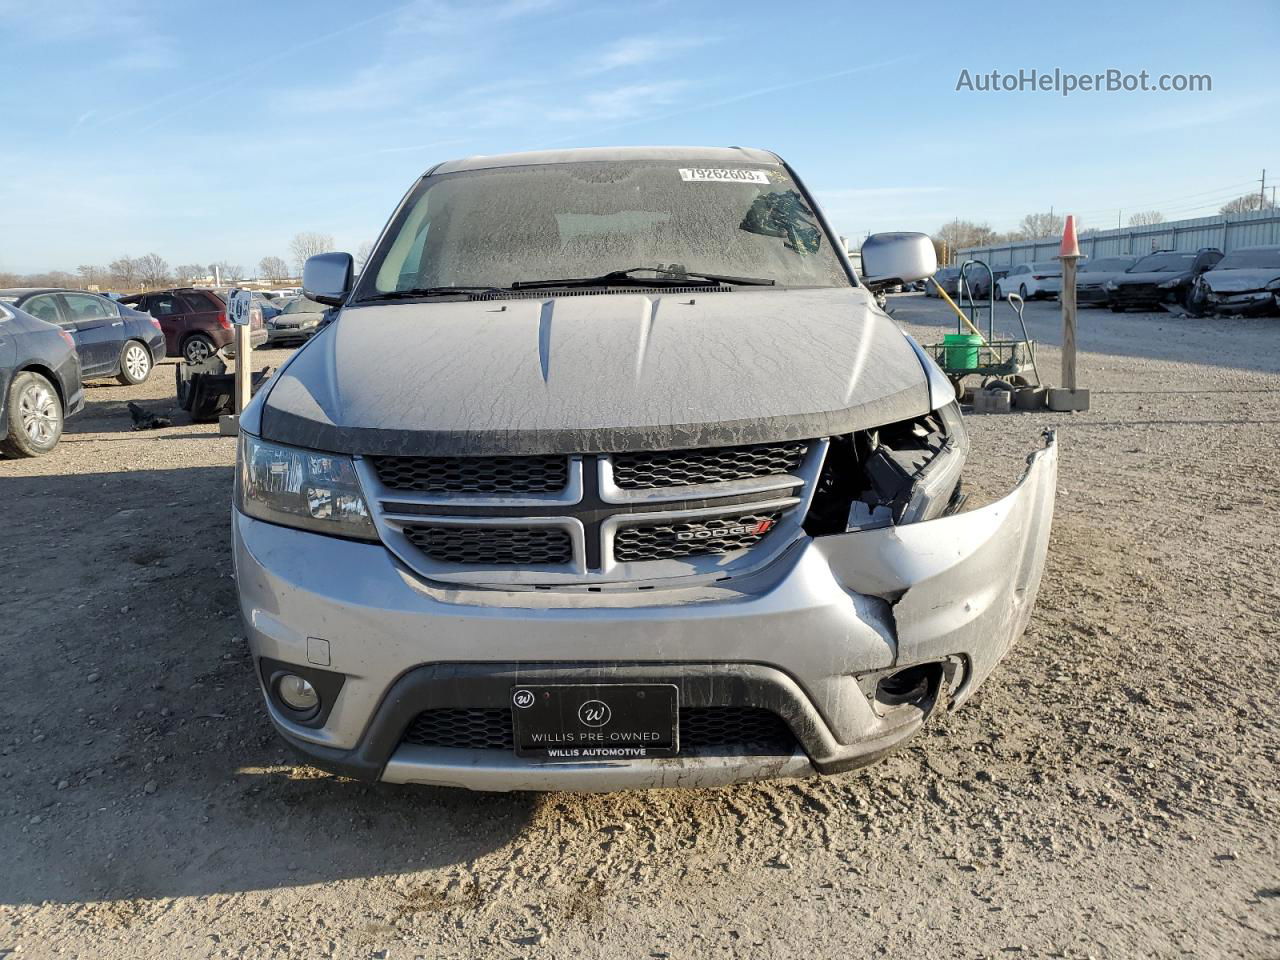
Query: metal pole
[{"x": 244, "y": 366}]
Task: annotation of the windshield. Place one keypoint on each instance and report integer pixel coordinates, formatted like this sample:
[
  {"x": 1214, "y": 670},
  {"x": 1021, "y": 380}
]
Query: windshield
[
  {"x": 493, "y": 228},
  {"x": 303, "y": 305},
  {"x": 1250, "y": 259},
  {"x": 1047, "y": 268},
  {"x": 1163, "y": 263}
]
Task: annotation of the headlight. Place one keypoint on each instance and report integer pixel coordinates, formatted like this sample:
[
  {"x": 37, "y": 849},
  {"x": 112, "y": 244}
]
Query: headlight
[
  {"x": 899, "y": 473},
  {"x": 1170, "y": 284},
  {"x": 1112, "y": 285},
  {"x": 302, "y": 488}
]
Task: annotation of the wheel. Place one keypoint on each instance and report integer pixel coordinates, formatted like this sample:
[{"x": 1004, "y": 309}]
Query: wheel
[
  {"x": 198, "y": 347},
  {"x": 1022, "y": 291},
  {"x": 135, "y": 363},
  {"x": 999, "y": 292},
  {"x": 34, "y": 414}
]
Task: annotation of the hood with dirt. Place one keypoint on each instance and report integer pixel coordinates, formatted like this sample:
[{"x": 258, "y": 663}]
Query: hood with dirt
[{"x": 596, "y": 373}]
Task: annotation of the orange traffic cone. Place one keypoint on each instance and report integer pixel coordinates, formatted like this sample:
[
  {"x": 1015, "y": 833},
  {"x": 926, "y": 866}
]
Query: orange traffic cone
[{"x": 1070, "y": 246}]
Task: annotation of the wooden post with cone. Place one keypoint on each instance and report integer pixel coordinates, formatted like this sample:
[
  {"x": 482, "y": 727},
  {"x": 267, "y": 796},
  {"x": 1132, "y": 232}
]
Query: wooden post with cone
[{"x": 1068, "y": 396}]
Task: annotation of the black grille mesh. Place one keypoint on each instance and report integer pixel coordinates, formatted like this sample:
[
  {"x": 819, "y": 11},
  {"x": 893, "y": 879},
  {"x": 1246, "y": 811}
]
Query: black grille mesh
[
  {"x": 678, "y": 468},
  {"x": 519, "y": 546},
  {"x": 666, "y": 541},
  {"x": 473, "y": 474},
  {"x": 748, "y": 729}
]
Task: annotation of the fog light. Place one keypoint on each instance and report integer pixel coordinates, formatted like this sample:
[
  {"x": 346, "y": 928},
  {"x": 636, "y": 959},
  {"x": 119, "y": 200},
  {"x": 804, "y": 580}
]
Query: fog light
[{"x": 297, "y": 694}]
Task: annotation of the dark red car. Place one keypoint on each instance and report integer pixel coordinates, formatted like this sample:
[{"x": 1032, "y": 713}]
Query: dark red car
[{"x": 194, "y": 322}]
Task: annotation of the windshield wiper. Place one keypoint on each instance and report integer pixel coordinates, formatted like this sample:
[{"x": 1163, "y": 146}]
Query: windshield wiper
[
  {"x": 682, "y": 278},
  {"x": 429, "y": 292}
]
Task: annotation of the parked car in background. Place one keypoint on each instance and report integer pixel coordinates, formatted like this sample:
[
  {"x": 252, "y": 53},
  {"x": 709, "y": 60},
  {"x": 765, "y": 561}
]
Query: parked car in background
[
  {"x": 111, "y": 339},
  {"x": 296, "y": 323},
  {"x": 270, "y": 307},
  {"x": 979, "y": 282},
  {"x": 1162, "y": 277},
  {"x": 39, "y": 382},
  {"x": 947, "y": 278},
  {"x": 1032, "y": 281},
  {"x": 1245, "y": 281},
  {"x": 194, "y": 321},
  {"x": 1092, "y": 277}
]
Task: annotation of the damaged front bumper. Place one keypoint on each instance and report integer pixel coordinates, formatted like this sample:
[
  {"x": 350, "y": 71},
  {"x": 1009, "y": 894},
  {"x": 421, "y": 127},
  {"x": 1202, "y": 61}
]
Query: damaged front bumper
[
  {"x": 1253, "y": 303},
  {"x": 814, "y": 639}
]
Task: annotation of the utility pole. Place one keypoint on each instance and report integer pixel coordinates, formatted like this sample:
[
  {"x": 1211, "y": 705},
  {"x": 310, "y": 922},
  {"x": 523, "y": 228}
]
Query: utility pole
[{"x": 1262, "y": 191}]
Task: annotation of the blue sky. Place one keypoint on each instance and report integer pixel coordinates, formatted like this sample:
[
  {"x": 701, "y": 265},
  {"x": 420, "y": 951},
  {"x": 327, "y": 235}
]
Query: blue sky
[{"x": 215, "y": 131}]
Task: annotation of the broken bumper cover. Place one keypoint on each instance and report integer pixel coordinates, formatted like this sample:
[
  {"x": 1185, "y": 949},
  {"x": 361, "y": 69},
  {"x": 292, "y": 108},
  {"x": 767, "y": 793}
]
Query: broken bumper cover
[
  {"x": 1254, "y": 303},
  {"x": 805, "y": 639}
]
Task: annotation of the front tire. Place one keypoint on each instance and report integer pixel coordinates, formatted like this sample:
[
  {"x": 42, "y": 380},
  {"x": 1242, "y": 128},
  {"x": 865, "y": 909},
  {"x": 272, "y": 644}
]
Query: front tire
[
  {"x": 198, "y": 348},
  {"x": 999, "y": 292},
  {"x": 1022, "y": 291},
  {"x": 34, "y": 415},
  {"x": 135, "y": 363}
]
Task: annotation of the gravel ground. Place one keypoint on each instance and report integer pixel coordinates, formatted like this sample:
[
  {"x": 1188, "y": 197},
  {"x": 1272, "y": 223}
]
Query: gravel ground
[{"x": 1111, "y": 792}]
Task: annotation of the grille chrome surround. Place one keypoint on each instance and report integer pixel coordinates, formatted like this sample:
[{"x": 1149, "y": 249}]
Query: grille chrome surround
[
  {"x": 592, "y": 515},
  {"x": 749, "y": 730}
]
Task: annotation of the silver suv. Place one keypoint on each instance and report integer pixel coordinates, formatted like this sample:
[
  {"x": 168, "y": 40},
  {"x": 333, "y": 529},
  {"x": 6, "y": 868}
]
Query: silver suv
[{"x": 610, "y": 474}]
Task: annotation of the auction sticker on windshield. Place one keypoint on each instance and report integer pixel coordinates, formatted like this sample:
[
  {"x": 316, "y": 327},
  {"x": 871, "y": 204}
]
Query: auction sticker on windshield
[{"x": 722, "y": 175}]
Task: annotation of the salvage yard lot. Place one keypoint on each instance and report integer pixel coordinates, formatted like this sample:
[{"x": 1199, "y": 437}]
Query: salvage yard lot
[{"x": 1110, "y": 791}]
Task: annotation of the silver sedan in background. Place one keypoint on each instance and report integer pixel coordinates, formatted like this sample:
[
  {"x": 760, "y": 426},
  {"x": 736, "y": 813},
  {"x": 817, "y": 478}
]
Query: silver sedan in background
[{"x": 296, "y": 323}]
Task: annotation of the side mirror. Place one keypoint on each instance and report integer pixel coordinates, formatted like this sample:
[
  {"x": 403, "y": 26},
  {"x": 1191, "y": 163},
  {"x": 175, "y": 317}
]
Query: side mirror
[
  {"x": 326, "y": 278},
  {"x": 889, "y": 259}
]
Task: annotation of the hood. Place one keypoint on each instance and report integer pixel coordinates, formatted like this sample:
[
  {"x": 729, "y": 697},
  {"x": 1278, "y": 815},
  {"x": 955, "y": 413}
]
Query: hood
[
  {"x": 1240, "y": 281},
  {"x": 1159, "y": 277},
  {"x": 596, "y": 373},
  {"x": 1097, "y": 279}
]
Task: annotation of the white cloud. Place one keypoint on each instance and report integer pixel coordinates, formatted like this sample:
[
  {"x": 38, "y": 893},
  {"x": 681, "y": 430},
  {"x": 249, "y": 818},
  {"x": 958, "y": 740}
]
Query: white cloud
[
  {"x": 638, "y": 51},
  {"x": 619, "y": 103}
]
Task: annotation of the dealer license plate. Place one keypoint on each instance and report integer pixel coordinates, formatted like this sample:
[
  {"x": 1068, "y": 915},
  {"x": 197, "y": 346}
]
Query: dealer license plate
[{"x": 612, "y": 721}]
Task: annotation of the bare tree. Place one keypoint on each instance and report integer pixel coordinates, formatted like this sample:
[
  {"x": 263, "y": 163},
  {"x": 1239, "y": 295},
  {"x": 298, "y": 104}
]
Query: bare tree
[
  {"x": 273, "y": 269},
  {"x": 1146, "y": 218},
  {"x": 363, "y": 252},
  {"x": 1037, "y": 225},
  {"x": 153, "y": 270},
  {"x": 1247, "y": 204},
  {"x": 189, "y": 272},
  {"x": 228, "y": 271},
  {"x": 124, "y": 272},
  {"x": 92, "y": 276},
  {"x": 306, "y": 245},
  {"x": 959, "y": 234}
]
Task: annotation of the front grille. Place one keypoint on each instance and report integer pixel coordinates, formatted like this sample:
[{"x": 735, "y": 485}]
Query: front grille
[
  {"x": 466, "y": 728},
  {"x": 665, "y": 541},
  {"x": 747, "y": 729},
  {"x": 505, "y": 546},
  {"x": 676, "y": 468},
  {"x": 1139, "y": 291},
  {"x": 514, "y": 475}
]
